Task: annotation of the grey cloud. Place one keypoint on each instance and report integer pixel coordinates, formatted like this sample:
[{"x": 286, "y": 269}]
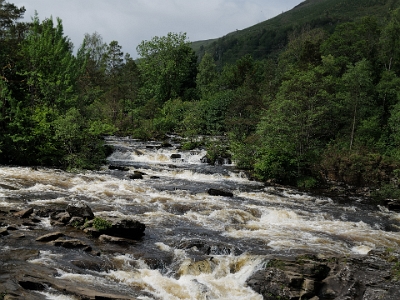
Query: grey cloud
[{"x": 131, "y": 21}]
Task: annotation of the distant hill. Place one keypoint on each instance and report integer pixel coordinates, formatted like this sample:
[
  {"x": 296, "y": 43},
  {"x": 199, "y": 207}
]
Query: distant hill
[{"x": 268, "y": 38}]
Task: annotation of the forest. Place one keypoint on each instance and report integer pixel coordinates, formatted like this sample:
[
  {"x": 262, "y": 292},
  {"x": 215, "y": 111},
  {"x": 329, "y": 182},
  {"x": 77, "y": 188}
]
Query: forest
[{"x": 324, "y": 108}]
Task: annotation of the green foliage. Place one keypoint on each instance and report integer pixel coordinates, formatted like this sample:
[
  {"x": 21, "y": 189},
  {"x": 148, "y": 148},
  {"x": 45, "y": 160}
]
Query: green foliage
[
  {"x": 101, "y": 224},
  {"x": 167, "y": 66}
]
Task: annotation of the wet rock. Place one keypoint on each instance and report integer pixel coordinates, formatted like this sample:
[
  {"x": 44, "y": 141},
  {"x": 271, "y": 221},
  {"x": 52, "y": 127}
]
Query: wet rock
[
  {"x": 175, "y": 156},
  {"x": 30, "y": 285},
  {"x": 63, "y": 217},
  {"x": 308, "y": 277},
  {"x": 154, "y": 177},
  {"x": 72, "y": 244},
  {"x": 205, "y": 160},
  {"x": 198, "y": 246},
  {"x": 76, "y": 221},
  {"x": 393, "y": 205},
  {"x": 125, "y": 228},
  {"x": 4, "y": 232},
  {"x": 136, "y": 175},
  {"x": 50, "y": 237},
  {"x": 119, "y": 168},
  {"x": 12, "y": 228},
  {"x": 24, "y": 213},
  {"x": 94, "y": 264},
  {"x": 80, "y": 209},
  {"x": 216, "y": 192},
  {"x": 114, "y": 240}
]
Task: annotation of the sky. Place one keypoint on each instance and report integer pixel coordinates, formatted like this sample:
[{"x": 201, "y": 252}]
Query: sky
[{"x": 129, "y": 22}]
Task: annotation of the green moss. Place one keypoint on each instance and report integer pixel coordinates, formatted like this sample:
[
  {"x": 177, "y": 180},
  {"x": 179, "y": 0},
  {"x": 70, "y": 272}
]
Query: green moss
[{"x": 101, "y": 224}]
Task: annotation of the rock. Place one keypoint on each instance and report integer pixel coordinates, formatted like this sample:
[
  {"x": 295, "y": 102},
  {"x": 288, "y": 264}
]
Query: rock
[
  {"x": 50, "y": 237},
  {"x": 94, "y": 264},
  {"x": 393, "y": 205},
  {"x": 205, "y": 160},
  {"x": 30, "y": 285},
  {"x": 63, "y": 217},
  {"x": 175, "y": 156},
  {"x": 202, "y": 247},
  {"x": 76, "y": 221},
  {"x": 72, "y": 244},
  {"x": 136, "y": 175},
  {"x": 113, "y": 239},
  {"x": 4, "y": 232},
  {"x": 80, "y": 209},
  {"x": 125, "y": 228},
  {"x": 308, "y": 277},
  {"x": 119, "y": 168},
  {"x": 154, "y": 177},
  {"x": 24, "y": 213},
  {"x": 216, "y": 192}
]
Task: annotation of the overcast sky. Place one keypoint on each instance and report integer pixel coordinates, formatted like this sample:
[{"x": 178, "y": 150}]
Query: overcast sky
[{"x": 131, "y": 21}]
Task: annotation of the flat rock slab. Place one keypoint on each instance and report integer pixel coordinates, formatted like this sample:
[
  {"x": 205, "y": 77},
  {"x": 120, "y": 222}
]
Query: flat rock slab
[{"x": 50, "y": 237}]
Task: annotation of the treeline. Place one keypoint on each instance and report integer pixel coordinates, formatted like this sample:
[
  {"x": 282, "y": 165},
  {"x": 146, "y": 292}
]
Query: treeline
[{"x": 326, "y": 107}]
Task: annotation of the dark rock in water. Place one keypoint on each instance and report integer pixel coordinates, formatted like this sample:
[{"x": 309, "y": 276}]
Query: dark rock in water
[
  {"x": 63, "y": 217},
  {"x": 33, "y": 286},
  {"x": 24, "y": 213},
  {"x": 216, "y": 192},
  {"x": 166, "y": 145},
  {"x": 198, "y": 246},
  {"x": 175, "y": 155},
  {"x": 136, "y": 175},
  {"x": 4, "y": 232},
  {"x": 114, "y": 239},
  {"x": 72, "y": 244},
  {"x": 125, "y": 228},
  {"x": 205, "y": 160},
  {"x": 154, "y": 177},
  {"x": 119, "y": 168},
  {"x": 50, "y": 237},
  {"x": 80, "y": 209},
  {"x": 94, "y": 264},
  {"x": 393, "y": 205}
]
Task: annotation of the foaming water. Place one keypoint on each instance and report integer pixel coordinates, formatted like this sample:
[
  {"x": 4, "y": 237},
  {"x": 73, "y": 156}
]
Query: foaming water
[{"x": 197, "y": 246}]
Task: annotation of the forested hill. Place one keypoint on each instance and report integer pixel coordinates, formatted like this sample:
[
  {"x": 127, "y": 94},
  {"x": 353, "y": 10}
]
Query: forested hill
[{"x": 271, "y": 36}]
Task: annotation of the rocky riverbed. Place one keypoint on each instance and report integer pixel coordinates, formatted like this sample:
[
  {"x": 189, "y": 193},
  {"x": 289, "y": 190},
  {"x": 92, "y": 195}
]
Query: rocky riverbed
[
  {"x": 153, "y": 225},
  {"x": 300, "y": 276}
]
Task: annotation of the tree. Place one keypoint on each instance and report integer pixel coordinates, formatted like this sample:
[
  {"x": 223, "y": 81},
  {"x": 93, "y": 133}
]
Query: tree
[
  {"x": 207, "y": 76},
  {"x": 357, "y": 96},
  {"x": 168, "y": 67}
]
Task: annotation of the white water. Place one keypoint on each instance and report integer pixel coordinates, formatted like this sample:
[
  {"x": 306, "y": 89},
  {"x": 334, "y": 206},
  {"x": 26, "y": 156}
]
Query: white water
[{"x": 175, "y": 207}]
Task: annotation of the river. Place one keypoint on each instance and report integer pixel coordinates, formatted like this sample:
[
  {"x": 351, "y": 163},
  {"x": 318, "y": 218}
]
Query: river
[{"x": 239, "y": 233}]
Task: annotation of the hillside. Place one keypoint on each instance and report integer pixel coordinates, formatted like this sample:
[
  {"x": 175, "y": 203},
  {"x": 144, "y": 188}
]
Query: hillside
[{"x": 269, "y": 37}]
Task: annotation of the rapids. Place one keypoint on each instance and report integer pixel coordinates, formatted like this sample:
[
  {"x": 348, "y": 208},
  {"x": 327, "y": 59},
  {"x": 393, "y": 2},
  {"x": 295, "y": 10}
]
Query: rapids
[{"x": 182, "y": 219}]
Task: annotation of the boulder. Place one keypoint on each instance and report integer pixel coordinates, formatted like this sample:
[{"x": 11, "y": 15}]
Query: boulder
[
  {"x": 216, "y": 192},
  {"x": 205, "y": 160},
  {"x": 80, "y": 209},
  {"x": 72, "y": 244},
  {"x": 125, "y": 228},
  {"x": 175, "y": 155},
  {"x": 24, "y": 213},
  {"x": 119, "y": 168},
  {"x": 50, "y": 237},
  {"x": 4, "y": 232},
  {"x": 136, "y": 175}
]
